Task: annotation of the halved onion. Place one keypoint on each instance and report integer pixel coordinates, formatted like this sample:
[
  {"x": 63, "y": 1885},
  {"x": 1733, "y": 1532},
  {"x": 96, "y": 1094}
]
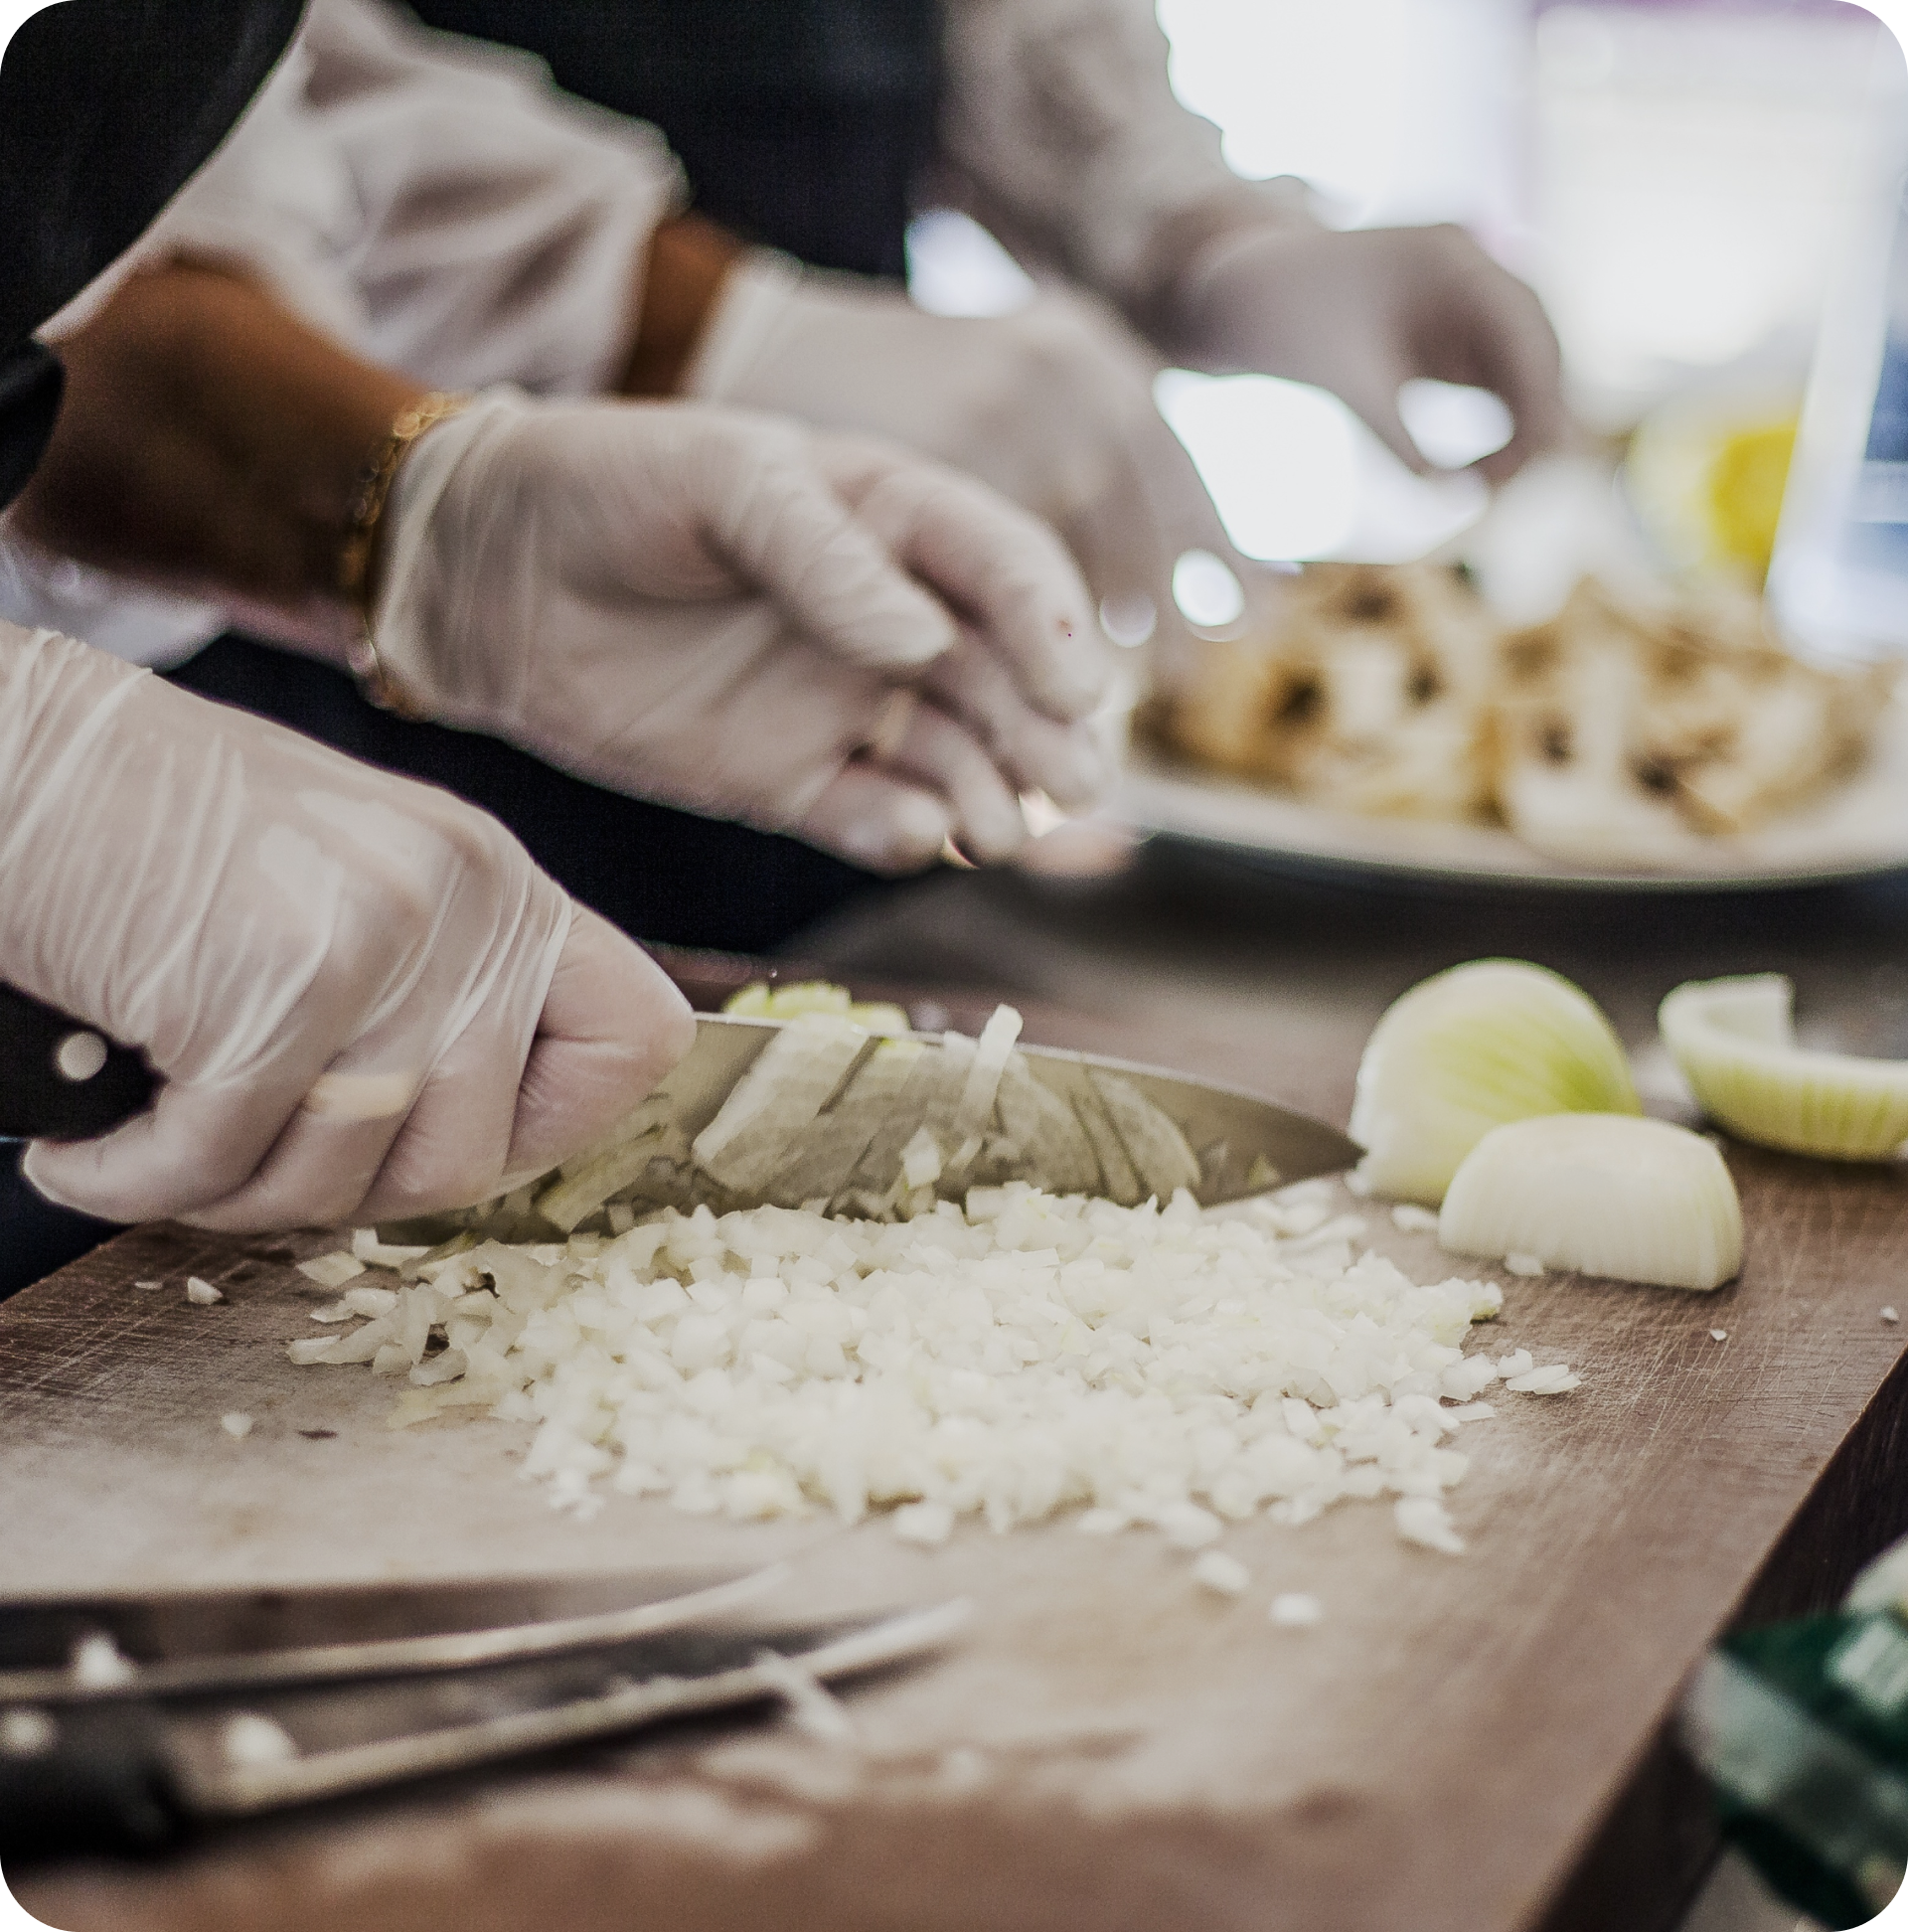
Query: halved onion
[
  {"x": 1468, "y": 1049},
  {"x": 1735, "y": 1040},
  {"x": 1601, "y": 1193}
]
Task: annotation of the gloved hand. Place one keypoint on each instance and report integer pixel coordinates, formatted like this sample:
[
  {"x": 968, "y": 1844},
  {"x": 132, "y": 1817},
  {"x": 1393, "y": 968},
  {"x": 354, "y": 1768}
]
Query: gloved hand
[
  {"x": 1051, "y": 407},
  {"x": 1362, "y": 311},
  {"x": 725, "y": 612},
  {"x": 365, "y": 1000}
]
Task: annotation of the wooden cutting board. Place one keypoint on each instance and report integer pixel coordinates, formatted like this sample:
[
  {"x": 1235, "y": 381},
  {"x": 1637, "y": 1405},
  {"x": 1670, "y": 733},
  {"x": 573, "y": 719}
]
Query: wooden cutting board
[{"x": 1470, "y": 1744}]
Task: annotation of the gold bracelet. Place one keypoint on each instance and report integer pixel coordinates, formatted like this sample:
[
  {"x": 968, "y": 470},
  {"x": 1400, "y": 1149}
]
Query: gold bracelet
[{"x": 361, "y": 533}]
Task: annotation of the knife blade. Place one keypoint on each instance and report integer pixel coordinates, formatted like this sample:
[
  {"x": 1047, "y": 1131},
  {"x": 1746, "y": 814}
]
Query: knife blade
[
  {"x": 118, "y": 1648},
  {"x": 1244, "y": 1142},
  {"x": 85, "y": 1777}
]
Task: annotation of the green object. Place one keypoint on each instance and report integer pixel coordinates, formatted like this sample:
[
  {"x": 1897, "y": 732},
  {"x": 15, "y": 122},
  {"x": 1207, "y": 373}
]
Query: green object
[{"x": 1803, "y": 1730}]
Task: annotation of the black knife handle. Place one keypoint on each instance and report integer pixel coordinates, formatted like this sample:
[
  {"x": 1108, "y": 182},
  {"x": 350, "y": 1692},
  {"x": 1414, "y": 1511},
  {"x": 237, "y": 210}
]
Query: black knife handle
[
  {"x": 53, "y": 1083},
  {"x": 81, "y": 1779}
]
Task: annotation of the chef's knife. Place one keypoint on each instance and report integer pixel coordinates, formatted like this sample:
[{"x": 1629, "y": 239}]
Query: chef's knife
[
  {"x": 137, "y": 1775},
  {"x": 80, "y": 1650},
  {"x": 63, "y": 1081},
  {"x": 58, "y": 1079},
  {"x": 1245, "y": 1143}
]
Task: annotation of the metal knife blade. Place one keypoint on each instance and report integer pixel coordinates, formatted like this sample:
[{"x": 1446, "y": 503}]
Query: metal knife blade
[
  {"x": 88, "y": 1778},
  {"x": 104, "y": 1648},
  {"x": 1246, "y": 1144}
]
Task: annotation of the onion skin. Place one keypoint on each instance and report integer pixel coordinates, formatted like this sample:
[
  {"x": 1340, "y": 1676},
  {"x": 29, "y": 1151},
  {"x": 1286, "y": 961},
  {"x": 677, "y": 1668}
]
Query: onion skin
[
  {"x": 1735, "y": 1042},
  {"x": 1607, "y": 1194},
  {"x": 1468, "y": 1049}
]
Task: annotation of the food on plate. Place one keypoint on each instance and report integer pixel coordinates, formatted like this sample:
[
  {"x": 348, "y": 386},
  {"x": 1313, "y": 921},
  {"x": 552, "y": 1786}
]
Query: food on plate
[
  {"x": 1462, "y": 1052},
  {"x": 1607, "y": 1194},
  {"x": 1610, "y": 735},
  {"x": 1735, "y": 1042},
  {"x": 1620, "y": 733},
  {"x": 1371, "y": 696}
]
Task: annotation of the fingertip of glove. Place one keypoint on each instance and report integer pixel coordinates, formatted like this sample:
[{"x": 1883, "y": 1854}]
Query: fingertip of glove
[{"x": 906, "y": 836}]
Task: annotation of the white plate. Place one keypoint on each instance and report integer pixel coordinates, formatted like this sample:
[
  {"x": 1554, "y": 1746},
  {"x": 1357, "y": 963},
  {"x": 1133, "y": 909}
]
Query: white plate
[{"x": 1854, "y": 832}]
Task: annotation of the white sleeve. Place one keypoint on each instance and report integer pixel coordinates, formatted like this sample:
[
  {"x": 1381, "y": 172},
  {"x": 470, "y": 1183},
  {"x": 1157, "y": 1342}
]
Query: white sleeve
[
  {"x": 1062, "y": 134},
  {"x": 437, "y": 205}
]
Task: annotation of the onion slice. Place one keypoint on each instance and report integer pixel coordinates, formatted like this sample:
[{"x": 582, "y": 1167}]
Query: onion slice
[
  {"x": 1735, "y": 1042},
  {"x": 1464, "y": 1052},
  {"x": 1600, "y": 1194}
]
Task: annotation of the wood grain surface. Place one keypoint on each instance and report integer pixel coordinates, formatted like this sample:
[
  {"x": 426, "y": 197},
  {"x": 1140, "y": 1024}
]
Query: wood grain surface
[{"x": 1469, "y": 1743}]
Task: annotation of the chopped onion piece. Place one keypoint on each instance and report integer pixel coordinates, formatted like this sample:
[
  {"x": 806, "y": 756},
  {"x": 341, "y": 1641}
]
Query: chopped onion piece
[
  {"x": 976, "y": 1103},
  {"x": 332, "y": 1271},
  {"x": 1464, "y": 1052},
  {"x": 1223, "y": 1576},
  {"x": 761, "y": 1001},
  {"x": 370, "y": 1248},
  {"x": 1296, "y": 1610},
  {"x": 1735, "y": 1042},
  {"x": 202, "y": 1293},
  {"x": 1607, "y": 1194},
  {"x": 1424, "y": 1519},
  {"x": 236, "y": 1423},
  {"x": 924, "y": 1523},
  {"x": 786, "y": 1086}
]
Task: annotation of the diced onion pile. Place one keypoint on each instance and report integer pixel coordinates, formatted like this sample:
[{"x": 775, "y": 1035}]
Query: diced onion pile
[{"x": 1009, "y": 1356}]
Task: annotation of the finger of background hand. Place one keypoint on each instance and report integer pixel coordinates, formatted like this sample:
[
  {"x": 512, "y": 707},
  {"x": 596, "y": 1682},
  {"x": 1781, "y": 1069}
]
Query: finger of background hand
[
  {"x": 999, "y": 568},
  {"x": 192, "y": 1147},
  {"x": 784, "y": 528},
  {"x": 1529, "y": 376},
  {"x": 944, "y": 758},
  {"x": 878, "y": 820},
  {"x": 613, "y": 1025},
  {"x": 1066, "y": 761},
  {"x": 1485, "y": 327}
]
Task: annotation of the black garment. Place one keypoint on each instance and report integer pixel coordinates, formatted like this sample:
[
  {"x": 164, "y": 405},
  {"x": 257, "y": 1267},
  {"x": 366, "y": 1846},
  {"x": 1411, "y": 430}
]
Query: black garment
[
  {"x": 801, "y": 123},
  {"x": 107, "y": 107}
]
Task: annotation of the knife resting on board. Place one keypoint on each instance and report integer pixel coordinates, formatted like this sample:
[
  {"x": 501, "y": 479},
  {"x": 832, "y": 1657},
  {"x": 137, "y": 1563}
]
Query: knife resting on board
[{"x": 236, "y": 1703}]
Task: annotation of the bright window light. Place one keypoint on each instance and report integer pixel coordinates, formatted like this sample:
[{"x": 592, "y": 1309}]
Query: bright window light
[
  {"x": 1396, "y": 111},
  {"x": 1206, "y": 591},
  {"x": 1452, "y": 424},
  {"x": 1277, "y": 459},
  {"x": 956, "y": 268}
]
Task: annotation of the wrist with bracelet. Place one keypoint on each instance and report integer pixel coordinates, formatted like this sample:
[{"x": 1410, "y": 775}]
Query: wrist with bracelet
[{"x": 358, "y": 551}]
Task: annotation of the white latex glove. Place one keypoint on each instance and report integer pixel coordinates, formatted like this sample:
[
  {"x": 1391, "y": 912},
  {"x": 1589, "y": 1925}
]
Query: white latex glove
[
  {"x": 365, "y": 999},
  {"x": 1052, "y": 405},
  {"x": 1364, "y": 311},
  {"x": 725, "y": 612}
]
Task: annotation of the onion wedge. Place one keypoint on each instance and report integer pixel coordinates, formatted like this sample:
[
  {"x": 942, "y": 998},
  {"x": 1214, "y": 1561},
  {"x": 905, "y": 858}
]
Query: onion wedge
[
  {"x": 1468, "y": 1049},
  {"x": 1735, "y": 1042},
  {"x": 1602, "y": 1195}
]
